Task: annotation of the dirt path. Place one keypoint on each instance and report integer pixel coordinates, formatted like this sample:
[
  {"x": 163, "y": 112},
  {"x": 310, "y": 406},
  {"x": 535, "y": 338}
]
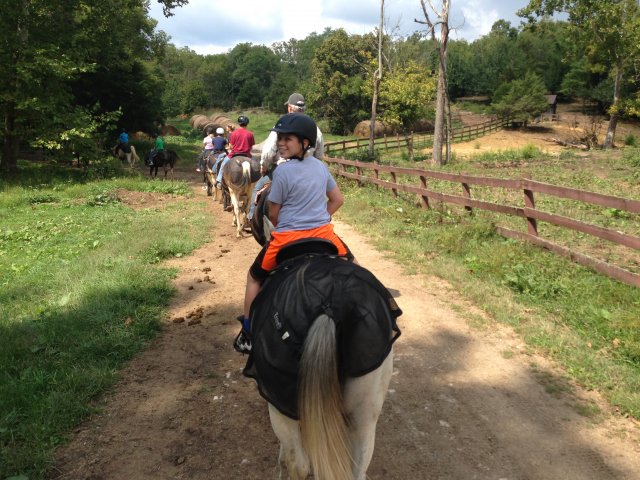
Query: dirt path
[{"x": 457, "y": 407}]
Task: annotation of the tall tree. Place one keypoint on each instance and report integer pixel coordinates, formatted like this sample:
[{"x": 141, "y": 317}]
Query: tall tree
[
  {"x": 339, "y": 69},
  {"x": 607, "y": 30},
  {"x": 442, "y": 98},
  {"x": 377, "y": 77}
]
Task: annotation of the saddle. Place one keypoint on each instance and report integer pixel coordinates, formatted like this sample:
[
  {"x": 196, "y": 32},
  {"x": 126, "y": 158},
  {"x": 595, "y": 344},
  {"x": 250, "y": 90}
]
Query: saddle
[{"x": 299, "y": 290}]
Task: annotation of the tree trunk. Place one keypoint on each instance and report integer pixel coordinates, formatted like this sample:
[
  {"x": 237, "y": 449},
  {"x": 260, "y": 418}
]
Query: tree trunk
[
  {"x": 438, "y": 129},
  {"x": 9, "y": 161},
  {"x": 613, "y": 119},
  {"x": 377, "y": 77}
]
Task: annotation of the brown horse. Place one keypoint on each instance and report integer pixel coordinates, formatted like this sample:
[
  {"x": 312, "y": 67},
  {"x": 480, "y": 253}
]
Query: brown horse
[
  {"x": 239, "y": 175},
  {"x": 166, "y": 159}
]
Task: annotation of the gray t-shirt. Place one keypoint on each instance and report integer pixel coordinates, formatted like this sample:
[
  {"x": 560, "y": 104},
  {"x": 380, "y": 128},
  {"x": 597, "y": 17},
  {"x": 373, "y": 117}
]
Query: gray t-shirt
[{"x": 301, "y": 188}]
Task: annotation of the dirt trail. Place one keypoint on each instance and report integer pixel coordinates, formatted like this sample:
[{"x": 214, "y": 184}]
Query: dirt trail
[{"x": 456, "y": 408}]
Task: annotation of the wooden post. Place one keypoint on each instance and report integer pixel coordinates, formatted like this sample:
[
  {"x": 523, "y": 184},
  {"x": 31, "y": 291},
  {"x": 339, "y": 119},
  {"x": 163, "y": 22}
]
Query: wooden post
[
  {"x": 394, "y": 190},
  {"x": 359, "y": 173},
  {"x": 424, "y": 200},
  {"x": 466, "y": 193},
  {"x": 529, "y": 202}
]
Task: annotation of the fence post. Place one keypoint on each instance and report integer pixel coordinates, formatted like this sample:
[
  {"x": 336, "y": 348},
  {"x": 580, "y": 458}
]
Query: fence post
[
  {"x": 529, "y": 202},
  {"x": 466, "y": 193},
  {"x": 393, "y": 177},
  {"x": 424, "y": 199},
  {"x": 359, "y": 173}
]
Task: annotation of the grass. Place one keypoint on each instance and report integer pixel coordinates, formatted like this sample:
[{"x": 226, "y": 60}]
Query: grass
[
  {"x": 81, "y": 291},
  {"x": 586, "y": 322}
]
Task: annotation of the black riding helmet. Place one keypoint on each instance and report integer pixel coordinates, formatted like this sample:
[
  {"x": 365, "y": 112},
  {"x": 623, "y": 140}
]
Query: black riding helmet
[
  {"x": 300, "y": 125},
  {"x": 243, "y": 120}
]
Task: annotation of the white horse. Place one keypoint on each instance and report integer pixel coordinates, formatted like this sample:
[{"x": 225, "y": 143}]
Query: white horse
[
  {"x": 131, "y": 157},
  {"x": 335, "y": 436},
  {"x": 239, "y": 175},
  {"x": 343, "y": 372}
]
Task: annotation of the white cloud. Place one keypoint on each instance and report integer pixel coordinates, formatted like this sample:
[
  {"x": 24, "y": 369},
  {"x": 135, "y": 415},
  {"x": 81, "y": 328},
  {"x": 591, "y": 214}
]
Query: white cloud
[{"x": 211, "y": 27}]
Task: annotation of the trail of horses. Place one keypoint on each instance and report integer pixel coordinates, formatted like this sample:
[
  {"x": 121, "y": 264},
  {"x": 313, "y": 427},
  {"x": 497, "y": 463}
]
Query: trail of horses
[{"x": 457, "y": 407}]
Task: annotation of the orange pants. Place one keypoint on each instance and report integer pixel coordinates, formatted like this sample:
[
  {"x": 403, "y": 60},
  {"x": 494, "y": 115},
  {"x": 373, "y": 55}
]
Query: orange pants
[{"x": 266, "y": 259}]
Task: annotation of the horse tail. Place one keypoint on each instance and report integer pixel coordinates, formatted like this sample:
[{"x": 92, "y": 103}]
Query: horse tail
[
  {"x": 322, "y": 420},
  {"x": 134, "y": 155},
  {"x": 246, "y": 173}
]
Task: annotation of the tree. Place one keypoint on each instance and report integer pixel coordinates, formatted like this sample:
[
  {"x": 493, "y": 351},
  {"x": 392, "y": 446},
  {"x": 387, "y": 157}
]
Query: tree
[
  {"x": 48, "y": 47},
  {"x": 377, "y": 78},
  {"x": 608, "y": 31},
  {"x": 442, "y": 99},
  {"x": 521, "y": 100},
  {"x": 406, "y": 96},
  {"x": 339, "y": 72}
]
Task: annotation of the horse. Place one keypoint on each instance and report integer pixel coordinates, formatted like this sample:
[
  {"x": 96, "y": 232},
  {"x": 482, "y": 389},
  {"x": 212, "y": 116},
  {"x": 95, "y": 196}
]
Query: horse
[
  {"x": 239, "y": 175},
  {"x": 166, "y": 159},
  {"x": 261, "y": 226},
  {"x": 131, "y": 156},
  {"x": 322, "y": 334}
]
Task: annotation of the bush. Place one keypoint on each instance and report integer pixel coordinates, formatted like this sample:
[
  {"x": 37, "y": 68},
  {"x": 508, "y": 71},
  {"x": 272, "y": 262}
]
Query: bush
[{"x": 631, "y": 140}]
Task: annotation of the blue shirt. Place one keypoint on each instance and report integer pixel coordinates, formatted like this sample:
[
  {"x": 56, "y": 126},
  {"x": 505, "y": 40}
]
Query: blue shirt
[
  {"x": 124, "y": 137},
  {"x": 219, "y": 143},
  {"x": 301, "y": 188}
]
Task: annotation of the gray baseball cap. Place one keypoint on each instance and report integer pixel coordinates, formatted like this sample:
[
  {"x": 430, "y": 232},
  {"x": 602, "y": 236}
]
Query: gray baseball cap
[{"x": 295, "y": 99}]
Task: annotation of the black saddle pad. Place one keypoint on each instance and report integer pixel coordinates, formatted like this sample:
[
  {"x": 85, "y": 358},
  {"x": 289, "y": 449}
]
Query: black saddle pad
[{"x": 294, "y": 295}]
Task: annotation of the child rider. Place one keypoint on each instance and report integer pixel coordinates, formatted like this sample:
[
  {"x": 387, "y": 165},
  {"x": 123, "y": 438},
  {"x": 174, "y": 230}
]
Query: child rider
[{"x": 298, "y": 206}]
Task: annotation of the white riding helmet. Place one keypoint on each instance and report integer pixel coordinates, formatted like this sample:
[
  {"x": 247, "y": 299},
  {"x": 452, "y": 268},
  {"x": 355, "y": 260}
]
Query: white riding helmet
[{"x": 220, "y": 131}]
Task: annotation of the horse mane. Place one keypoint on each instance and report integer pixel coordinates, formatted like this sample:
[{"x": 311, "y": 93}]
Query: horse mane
[{"x": 322, "y": 423}]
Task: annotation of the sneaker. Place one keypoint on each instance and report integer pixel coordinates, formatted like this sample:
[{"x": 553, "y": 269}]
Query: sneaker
[
  {"x": 242, "y": 343},
  {"x": 198, "y": 170}
]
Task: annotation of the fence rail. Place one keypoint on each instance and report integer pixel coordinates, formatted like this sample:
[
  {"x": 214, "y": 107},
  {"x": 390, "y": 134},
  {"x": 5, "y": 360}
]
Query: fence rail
[
  {"x": 415, "y": 140},
  {"x": 355, "y": 170}
]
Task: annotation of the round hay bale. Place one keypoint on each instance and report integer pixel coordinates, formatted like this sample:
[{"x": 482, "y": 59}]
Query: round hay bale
[
  {"x": 169, "y": 130},
  {"x": 364, "y": 127},
  {"x": 201, "y": 122},
  {"x": 196, "y": 119},
  {"x": 139, "y": 136},
  {"x": 217, "y": 117},
  {"x": 423, "y": 126}
]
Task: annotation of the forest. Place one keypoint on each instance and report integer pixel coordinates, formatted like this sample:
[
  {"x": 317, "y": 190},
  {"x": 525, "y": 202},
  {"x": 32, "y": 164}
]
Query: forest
[{"x": 72, "y": 73}]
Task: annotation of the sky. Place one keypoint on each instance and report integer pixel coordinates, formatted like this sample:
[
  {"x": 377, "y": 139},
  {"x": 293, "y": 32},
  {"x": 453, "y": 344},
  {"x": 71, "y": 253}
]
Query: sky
[{"x": 212, "y": 26}]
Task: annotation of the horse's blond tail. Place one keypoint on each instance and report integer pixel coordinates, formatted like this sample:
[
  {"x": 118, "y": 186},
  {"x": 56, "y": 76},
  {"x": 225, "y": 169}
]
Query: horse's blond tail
[
  {"x": 134, "y": 156},
  {"x": 246, "y": 171},
  {"x": 322, "y": 422}
]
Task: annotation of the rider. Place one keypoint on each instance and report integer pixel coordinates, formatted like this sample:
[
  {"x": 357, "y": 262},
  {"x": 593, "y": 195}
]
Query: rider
[
  {"x": 206, "y": 150},
  {"x": 241, "y": 142},
  {"x": 123, "y": 142},
  {"x": 158, "y": 148},
  {"x": 270, "y": 158},
  {"x": 298, "y": 206}
]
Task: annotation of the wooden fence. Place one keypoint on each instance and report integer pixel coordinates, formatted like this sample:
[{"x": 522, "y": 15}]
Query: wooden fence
[
  {"x": 416, "y": 140},
  {"x": 528, "y": 211}
]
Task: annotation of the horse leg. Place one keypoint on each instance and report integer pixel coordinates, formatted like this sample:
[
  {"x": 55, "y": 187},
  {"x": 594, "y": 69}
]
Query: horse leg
[
  {"x": 363, "y": 400},
  {"x": 292, "y": 456},
  {"x": 236, "y": 213}
]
